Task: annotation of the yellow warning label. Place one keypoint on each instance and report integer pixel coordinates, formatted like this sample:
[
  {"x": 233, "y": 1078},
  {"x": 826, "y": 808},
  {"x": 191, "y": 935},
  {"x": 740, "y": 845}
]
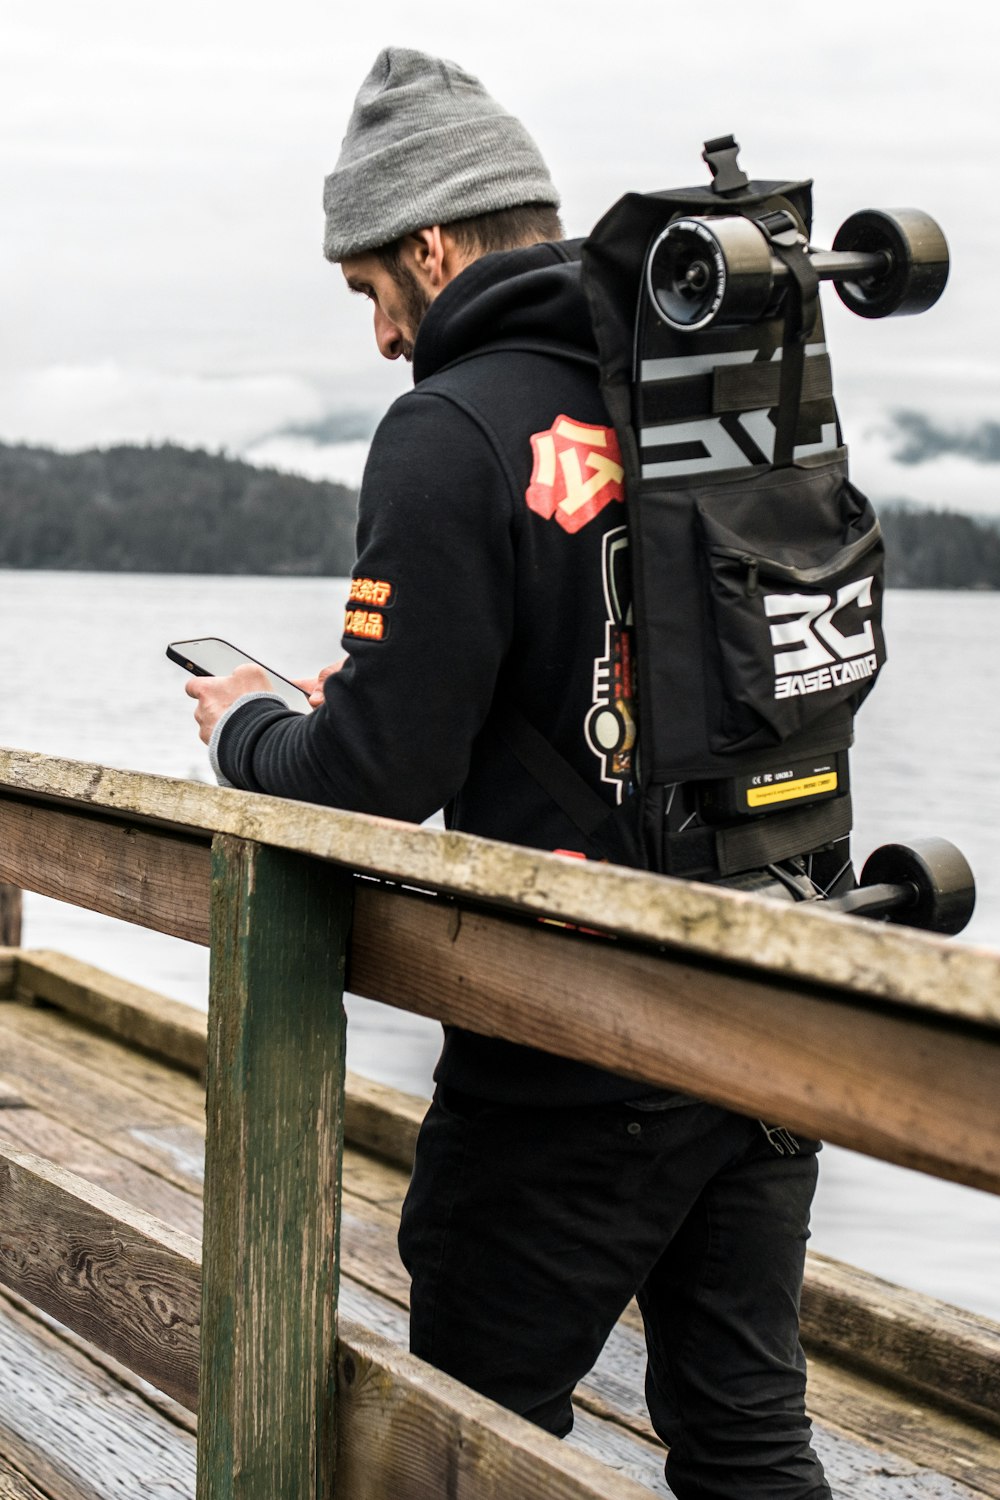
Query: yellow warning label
[{"x": 786, "y": 791}]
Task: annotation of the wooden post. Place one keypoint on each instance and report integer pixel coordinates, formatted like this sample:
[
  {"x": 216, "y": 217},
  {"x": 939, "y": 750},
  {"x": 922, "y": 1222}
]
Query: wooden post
[
  {"x": 10, "y": 916},
  {"x": 280, "y": 926}
]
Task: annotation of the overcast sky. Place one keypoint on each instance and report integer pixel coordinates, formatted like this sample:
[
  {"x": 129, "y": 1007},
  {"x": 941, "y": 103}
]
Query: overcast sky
[{"x": 162, "y": 172}]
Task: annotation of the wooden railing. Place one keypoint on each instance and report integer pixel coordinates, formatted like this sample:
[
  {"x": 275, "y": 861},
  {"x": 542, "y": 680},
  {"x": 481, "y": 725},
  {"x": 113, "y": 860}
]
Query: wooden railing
[{"x": 877, "y": 1038}]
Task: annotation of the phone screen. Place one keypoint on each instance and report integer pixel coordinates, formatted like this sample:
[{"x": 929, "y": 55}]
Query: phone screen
[{"x": 211, "y": 657}]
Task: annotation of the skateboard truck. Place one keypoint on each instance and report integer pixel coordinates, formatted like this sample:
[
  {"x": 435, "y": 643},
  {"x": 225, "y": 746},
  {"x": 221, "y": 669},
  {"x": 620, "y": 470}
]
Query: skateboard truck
[
  {"x": 730, "y": 268},
  {"x": 925, "y": 884}
]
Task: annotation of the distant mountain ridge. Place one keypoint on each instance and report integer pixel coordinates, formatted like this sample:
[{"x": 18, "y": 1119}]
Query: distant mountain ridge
[{"x": 168, "y": 509}]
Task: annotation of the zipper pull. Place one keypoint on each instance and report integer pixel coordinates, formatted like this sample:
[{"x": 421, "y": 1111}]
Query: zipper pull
[{"x": 751, "y": 565}]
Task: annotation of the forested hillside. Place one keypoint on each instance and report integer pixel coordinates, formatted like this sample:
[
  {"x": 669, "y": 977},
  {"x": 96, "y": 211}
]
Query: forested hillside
[
  {"x": 179, "y": 510},
  {"x": 168, "y": 510},
  {"x": 939, "y": 549}
]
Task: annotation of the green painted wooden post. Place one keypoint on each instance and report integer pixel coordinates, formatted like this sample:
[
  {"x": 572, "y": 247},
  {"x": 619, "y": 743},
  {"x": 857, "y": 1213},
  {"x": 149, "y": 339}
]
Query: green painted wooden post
[{"x": 280, "y": 926}]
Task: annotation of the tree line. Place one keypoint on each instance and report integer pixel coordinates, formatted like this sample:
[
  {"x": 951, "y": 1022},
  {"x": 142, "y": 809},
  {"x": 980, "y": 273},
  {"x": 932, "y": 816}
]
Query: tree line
[
  {"x": 939, "y": 549},
  {"x": 168, "y": 509}
]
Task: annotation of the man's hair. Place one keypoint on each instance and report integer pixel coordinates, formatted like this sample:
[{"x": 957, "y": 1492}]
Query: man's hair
[{"x": 504, "y": 229}]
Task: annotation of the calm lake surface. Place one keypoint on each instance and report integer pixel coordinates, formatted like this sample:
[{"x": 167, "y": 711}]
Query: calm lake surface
[{"x": 84, "y": 676}]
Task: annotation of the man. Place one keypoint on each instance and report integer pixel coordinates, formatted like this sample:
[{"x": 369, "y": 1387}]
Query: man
[{"x": 488, "y": 610}]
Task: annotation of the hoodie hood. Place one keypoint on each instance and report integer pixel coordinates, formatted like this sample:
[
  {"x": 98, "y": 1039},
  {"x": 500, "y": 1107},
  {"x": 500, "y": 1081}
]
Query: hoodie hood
[{"x": 523, "y": 299}]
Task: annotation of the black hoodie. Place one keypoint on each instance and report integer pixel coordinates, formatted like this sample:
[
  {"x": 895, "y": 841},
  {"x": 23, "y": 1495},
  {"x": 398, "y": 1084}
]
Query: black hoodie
[{"x": 490, "y": 577}]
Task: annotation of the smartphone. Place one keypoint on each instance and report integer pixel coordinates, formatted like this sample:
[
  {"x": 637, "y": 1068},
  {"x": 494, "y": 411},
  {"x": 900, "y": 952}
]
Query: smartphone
[{"x": 214, "y": 658}]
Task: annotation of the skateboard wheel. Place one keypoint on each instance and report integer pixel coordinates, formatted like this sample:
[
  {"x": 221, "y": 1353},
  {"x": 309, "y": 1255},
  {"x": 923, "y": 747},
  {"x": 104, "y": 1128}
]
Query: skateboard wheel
[
  {"x": 711, "y": 270},
  {"x": 944, "y": 885},
  {"x": 918, "y": 262}
]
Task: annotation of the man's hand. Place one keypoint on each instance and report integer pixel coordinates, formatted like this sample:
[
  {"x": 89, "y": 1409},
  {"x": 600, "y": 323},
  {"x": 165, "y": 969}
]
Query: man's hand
[
  {"x": 314, "y": 685},
  {"x": 215, "y": 694}
]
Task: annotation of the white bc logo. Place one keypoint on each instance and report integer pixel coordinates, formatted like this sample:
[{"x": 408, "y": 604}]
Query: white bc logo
[{"x": 815, "y": 653}]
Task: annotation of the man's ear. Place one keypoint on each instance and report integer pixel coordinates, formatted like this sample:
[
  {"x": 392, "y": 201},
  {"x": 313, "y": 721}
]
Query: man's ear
[{"x": 435, "y": 257}]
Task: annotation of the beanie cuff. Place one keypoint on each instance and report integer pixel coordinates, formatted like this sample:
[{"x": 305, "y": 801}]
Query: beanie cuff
[{"x": 486, "y": 164}]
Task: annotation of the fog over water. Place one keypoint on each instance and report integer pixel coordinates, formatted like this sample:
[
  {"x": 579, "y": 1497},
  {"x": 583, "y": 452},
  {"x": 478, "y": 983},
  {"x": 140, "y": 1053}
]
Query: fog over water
[{"x": 84, "y": 676}]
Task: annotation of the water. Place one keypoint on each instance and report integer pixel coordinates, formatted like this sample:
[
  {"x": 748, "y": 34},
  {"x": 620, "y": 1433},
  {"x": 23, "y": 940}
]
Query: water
[{"x": 85, "y": 676}]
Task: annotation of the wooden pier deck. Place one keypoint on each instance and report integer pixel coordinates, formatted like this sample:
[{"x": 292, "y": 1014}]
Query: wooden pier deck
[
  {"x": 283, "y": 1326},
  {"x": 103, "y": 1080}
]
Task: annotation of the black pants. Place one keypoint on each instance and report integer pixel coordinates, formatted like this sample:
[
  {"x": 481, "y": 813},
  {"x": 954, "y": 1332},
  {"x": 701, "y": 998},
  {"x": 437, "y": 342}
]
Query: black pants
[{"x": 527, "y": 1230}]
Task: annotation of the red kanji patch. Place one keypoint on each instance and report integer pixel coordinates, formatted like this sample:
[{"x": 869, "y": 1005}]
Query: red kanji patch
[{"x": 577, "y": 472}]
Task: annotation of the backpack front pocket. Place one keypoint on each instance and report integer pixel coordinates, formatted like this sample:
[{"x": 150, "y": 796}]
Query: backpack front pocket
[{"x": 794, "y": 566}]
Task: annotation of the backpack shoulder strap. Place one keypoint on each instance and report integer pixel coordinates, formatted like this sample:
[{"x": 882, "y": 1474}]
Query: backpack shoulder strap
[{"x": 610, "y": 828}]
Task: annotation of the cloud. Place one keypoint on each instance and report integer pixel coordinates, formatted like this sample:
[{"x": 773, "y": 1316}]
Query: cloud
[
  {"x": 920, "y": 440},
  {"x": 87, "y": 405},
  {"x": 343, "y": 462},
  {"x": 279, "y": 421},
  {"x": 942, "y": 480},
  {"x": 348, "y": 425}
]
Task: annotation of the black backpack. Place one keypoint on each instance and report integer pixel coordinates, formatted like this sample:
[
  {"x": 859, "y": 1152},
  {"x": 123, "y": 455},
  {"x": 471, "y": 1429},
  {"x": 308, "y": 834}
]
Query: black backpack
[{"x": 756, "y": 565}]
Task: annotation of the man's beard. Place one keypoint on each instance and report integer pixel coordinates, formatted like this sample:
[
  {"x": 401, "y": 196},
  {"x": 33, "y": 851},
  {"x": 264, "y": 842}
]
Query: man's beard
[{"x": 415, "y": 304}]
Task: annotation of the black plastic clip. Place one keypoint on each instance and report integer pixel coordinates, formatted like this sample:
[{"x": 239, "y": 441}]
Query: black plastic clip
[{"x": 727, "y": 174}]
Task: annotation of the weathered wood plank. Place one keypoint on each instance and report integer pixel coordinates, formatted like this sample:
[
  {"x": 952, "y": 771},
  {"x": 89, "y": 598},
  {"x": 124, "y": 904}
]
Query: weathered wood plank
[
  {"x": 103, "y": 1224},
  {"x": 382, "y": 1120},
  {"x": 74, "y": 1430},
  {"x": 952, "y": 1357},
  {"x": 893, "y": 1333},
  {"x": 792, "y": 1036},
  {"x": 8, "y": 971},
  {"x": 884, "y": 1424},
  {"x": 111, "y": 1272},
  {"x": 114, "y": 1369},
  {"x": 875, "y": 1441},
  {"x": 898, "y": 1086},
  {"x": 603, "y": 1438},
  {"x": 164, "y": 1028},
  {"x": 940, "y": 1352},
  {"x": 14, "y": 1485},
  {"x": 937, "y": 1352},
  {"x": 368, "y": 1252},
  {"x": 904, "y": 1432},
  {"x": 152, "y": 878},
  {"x": 11, "y": 910},
  {"x": 621, "y": 1452},
  {"x": 56, "y": 1141},
  {"x": 272, "y": 1187},
  {"x": 137, "y": 1129},
  {"x": 614, "y": 1391},
  {"x": 863, "y": 1429},
  {"x": 855, "y": 1470},
  {"x": 408, "y": 1431},
  {"x": 864, "y": 1406},
  {"x": 807, "y": 944},
  {"x": 135, "y": 1125},
  {"x": 183, "y": 1272},
  {"x": 712, "y": 1010},
  {"x": 81, "y": 1045}
]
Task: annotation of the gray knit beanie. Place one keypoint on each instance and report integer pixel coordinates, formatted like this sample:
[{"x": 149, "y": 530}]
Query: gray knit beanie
[{"x": 425, "y": 144}]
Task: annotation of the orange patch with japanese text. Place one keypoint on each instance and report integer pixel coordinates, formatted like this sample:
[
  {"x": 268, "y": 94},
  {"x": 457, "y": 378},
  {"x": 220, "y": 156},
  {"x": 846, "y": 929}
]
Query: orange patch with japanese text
[
  {"x": 377, "y": 591},
  {"x": 366, "y": 624},
  {"x": 577, "y": 472}
]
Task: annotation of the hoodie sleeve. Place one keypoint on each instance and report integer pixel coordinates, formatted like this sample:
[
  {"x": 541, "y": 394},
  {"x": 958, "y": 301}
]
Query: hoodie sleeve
[{"x": 426, "y": 630}]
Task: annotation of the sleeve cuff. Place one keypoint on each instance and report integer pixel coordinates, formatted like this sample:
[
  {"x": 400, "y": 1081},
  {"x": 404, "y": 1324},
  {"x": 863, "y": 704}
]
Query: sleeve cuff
[{"x": 216, "y": 740}]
